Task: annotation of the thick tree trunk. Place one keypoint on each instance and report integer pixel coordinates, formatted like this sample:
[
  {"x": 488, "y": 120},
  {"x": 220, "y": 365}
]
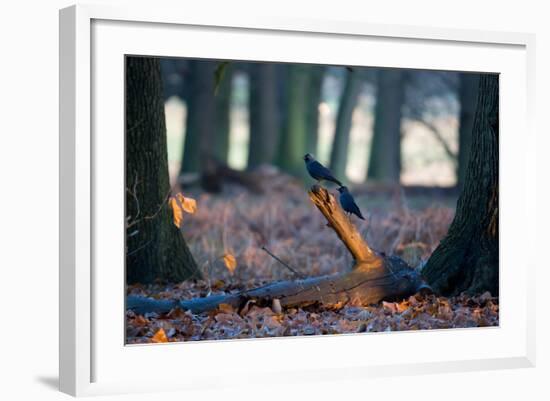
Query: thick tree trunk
[
  {"x": 374, "y": 277},
  {"x": 467, "y": 258},
  {"x": 220, "y": 146},
  {"x": 339, "y": 154},
  {"x": 293, "y": 142},
  {"x": 201, "y": 122},
  {"x": 265, "y": 117},
  {"x": 155, "y": 249},
  {"x": 385, "y": 154},
  {"x": 468, "y": 100},
  {"x": 314, "y": 98}
]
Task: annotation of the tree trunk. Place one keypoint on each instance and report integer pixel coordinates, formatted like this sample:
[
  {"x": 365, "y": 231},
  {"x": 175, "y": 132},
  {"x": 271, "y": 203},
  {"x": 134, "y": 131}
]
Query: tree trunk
[
  {"x": 155, "y": 249},
  {"x": 467, "y": 258},
  {"x": 339, "y": 154},
  {"x": 264, "y": 109},
  {"x": 293, "y": 142},
  {"x": 201, "y": 123},
  {"x": 220, "y": 145},
  {"x": 385, "y": 154},
  {"x": 317, "y": 74},
  {"x": 468, "y": 100},
  {"x": 374, "y": 277}
]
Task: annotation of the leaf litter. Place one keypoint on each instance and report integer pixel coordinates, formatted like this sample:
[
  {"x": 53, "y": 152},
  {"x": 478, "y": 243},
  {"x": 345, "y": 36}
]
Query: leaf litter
[{"x": 297, "y": 234}]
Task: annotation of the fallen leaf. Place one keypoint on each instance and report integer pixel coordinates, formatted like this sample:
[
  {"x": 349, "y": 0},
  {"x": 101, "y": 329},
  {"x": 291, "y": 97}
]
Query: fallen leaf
[
  {"x": 230, "y": 262},
  {"x": 160, "y": 336},
  {"x": 140, "y": 321},
  {"x": 226, "y": 308},
  {"x": 218, "y": 284}
]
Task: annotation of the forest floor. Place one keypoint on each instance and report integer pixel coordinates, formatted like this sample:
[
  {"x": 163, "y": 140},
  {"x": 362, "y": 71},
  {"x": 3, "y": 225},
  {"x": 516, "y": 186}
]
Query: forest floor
[{"x": 226, "y": 236}]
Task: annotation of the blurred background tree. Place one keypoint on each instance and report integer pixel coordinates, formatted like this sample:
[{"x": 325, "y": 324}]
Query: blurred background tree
[
  {"x": 370, "y": 125},
  {"x": 265, "y": 114}
]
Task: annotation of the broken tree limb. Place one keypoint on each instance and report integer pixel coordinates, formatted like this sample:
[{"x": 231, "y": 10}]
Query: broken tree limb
[
  {"x": 373, "y": 278},
  {"x": 341, "y": 224}
]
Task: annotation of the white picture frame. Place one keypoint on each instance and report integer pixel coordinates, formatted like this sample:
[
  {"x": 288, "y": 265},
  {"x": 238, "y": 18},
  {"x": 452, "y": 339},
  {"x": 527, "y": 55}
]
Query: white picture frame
[{"x": 93, "y": 40}]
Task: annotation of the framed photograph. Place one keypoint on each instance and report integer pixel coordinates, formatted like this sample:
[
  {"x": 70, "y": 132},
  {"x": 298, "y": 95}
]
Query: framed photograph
[{"x": 335, "y": 198}]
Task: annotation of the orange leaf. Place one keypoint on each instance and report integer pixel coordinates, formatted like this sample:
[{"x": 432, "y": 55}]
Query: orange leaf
[
  {"x": 226, "y": 308},
  {"x": 180, "y": 204},
  {"x": 178, "y": 212},
  {"x": 230, "y": 262},
  {"x": 140, "y": 321},
  {"x": 188, "y": 204},
  {"x": 160, "y": 336}
]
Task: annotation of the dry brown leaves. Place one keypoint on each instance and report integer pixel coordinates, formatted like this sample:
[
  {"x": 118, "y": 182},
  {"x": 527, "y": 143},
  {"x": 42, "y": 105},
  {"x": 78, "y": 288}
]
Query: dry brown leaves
[
  {"x": 293, "y": 230},
  {"x": 415, "y": 313}
]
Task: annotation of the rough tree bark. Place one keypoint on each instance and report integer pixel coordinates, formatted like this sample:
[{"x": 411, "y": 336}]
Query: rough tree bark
[
  {"x": 155, "y": 249},
  {"x": 264, "y": 109},
  {"x": 373, "y": 277},
  {"x": 468, "y": 101},
  {"x": 467, "y": 258},
  {"x": 385, "y": 154},
  {"x": 339, "y": 154}
]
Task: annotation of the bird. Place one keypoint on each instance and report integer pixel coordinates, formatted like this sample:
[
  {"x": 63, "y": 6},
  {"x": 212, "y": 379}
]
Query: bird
[
  {"x": 348, "y": 203},
  {"x": 319, "y": 172}
]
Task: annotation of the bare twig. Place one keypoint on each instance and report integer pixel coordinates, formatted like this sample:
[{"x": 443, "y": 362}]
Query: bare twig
[
  {"x": 139, "y": 248},
  {"x": 160, "y": 207},
  {"x": 283, "y": 263},
  {"x": 149, "y": 217},
  {"x": 133, "y": 193},
  {"x": 431, "y": 127}
]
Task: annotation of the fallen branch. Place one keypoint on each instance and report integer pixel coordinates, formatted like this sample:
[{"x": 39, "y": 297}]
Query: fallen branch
[{"x": 215, "y": 173}]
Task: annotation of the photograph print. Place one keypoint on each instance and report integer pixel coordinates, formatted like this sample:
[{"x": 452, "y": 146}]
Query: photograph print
[{"x": 267, "y": 199}]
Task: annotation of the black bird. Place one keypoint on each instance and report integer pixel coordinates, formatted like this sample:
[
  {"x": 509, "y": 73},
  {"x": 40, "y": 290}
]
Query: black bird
[
  {"x": 348, "y": 203},
  {"x": 318, "y": 171}
]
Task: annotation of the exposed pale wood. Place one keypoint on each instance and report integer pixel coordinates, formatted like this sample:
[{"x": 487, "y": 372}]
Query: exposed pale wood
[{"x": 346, "y": 231}]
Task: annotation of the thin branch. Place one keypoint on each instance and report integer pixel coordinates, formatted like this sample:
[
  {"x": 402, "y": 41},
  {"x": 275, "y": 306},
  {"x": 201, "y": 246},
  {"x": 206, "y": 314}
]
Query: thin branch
[
  {"x": 133, "y": 193},
  {"x": 283, "y": 263},
  {"x": 149, "y": 217},
  {"x": 439, "y": 137},
  {"x": 139, "y": 248}
]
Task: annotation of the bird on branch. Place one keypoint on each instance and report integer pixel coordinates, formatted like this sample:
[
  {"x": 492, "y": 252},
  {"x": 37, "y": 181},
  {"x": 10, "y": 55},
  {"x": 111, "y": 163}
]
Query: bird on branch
[
  {"x": 348, "y": 203},
  {"x": 319, "y": 172}
]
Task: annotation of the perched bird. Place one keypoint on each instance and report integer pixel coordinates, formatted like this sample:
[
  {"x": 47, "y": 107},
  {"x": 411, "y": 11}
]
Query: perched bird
[
  {"x": 348, "y": 203},
  {"x": 318, "y": 171}
]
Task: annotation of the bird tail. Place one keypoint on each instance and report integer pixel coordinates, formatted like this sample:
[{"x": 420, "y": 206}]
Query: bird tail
[
  {"x": 336, "y": 182},
  {"x": 360, "y": 215}
]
